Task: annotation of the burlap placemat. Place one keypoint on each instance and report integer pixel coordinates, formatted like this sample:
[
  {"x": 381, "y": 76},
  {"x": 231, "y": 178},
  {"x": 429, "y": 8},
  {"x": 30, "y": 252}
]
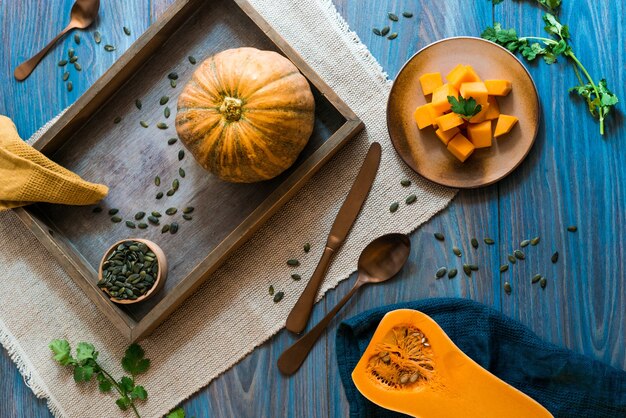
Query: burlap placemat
[{"x": 196, "y": 342}]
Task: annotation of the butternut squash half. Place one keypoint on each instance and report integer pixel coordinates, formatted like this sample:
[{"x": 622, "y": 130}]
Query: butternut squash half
[{"x": 411, "y": 366}]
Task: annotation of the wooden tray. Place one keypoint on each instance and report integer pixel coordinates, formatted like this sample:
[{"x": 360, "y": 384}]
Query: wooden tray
[{"x": 126, "y": 157}]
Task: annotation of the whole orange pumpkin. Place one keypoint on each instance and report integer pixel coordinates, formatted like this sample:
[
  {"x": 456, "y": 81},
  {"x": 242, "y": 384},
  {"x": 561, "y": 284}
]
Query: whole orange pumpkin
[{"x": 246, "y": 114}]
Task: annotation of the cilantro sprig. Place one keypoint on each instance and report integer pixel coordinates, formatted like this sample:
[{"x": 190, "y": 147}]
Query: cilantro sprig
[
  {"x": 465, "y": 108},
  {"x": 600, "y": 100},
  {"x": 85, "y": 366}
]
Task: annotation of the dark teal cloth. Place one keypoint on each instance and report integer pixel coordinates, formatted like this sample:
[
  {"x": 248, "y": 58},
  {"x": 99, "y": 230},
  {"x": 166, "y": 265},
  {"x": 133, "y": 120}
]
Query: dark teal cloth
[{"x": 566, "y": 383}]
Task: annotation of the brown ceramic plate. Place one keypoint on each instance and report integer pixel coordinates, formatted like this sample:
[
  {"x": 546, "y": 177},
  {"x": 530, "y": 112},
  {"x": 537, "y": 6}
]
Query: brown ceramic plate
[{"x": 424, "y": 152}]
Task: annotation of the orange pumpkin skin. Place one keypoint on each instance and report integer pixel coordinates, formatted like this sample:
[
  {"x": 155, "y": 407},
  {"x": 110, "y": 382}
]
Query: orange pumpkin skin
[
  {"x": 422, "y": 373},
  {"x": 246, "y": 114}
]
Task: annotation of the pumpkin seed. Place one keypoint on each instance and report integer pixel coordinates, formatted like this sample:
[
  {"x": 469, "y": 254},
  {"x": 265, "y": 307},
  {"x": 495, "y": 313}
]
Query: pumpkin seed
[
  {"x": 278, "y": 297},
  {"x": 489, "y": 241},
  {"x": 62, "y": 63},
  {"x": 385, "y": 31},
  {"x": 156, "y": 214},
  {"x": 70, "y": 52},
  {"x": 73, "y": 59},
  {"x": 162, "y": 125},
  {"x": 66, "y": 75},
  {"x": 519, "y": 255},
  {"x": 126, "y": 31},
  {"x": 555, "y": 257},
  {"x": 404, "y": 378},
  {"x": 192, "y": 59},
  {"x": 181, "y": 155},
  {"x": 524, "y": 243},
  {"x": 139, "y": 215},
  {"x": 392, "y": 36},
  {"x": 405, "y": 183},
  {"x": 452, "y": 273},
  {"x": 411, "y": 199},
  {"x": 143, "y": 123},
  {"x": 187, "y": 217},
  {"x": 467, "y": 270},
  {"x": 109, "y": 48},
  {"x": 271, "y": 290},
  {"x": 116, "y": 219},
  {"x": 77, "y": 66},
  {"x": 166, "y": 112},
  {"x": 474, "y": 243},
  {"x": 175, "y": 185},
  {"x": 70, "y": 86},
  {"x": 408, "y": 15},
  {"x": 159, "y": 195},
  {"x": 181, "y": 172},
  {"x": 117, "y": 119},
  {"x": 535, "y": 278},
  {"x": 142, "y": 225},
  {"x": 170, "y": 192},
  {"x": 572, "y": 228},
  {"x": 473, "y": 267},
  {"x": 512, "y": 259},
  {"x": 456, "y": 251},
  {"x": 293, "y": 262},
  {"x": 173, "y": 75},
  {"x": 164, "y": 100},
  {"x": 173, "y": 84},
  {"x": 441, "y": 272},
  {"x": 97, "y": 209},
  {"x": 296, "y": 277},
  {"x": 173, "y": 228},
  {"x": 77, "y": 39},
  {"x": 503, "y": 268},
  {"x": 172, "y": 141},
  {"x": 439, "y": 236},
  {"x": 376, "y": 31},
  {"x": 97, "y": 37},
  {"x": 307, "y": 247},
  {"x": 113, "y": 211},
  {"x": 535, "y": 241},
  {"x": 165, "y": 229},
  {"x": 130, "y": 224},
  {"x": 543, "y": 283},
  {"x": 507, "y": 288},
  {"x": 153, "y": 220},
  {"x": 394, "y": 207},
  {"x": 138, "y": 104},
  {"x": 392, "y": 17},
  {"x": 157, "y": 181},
  {"x": 171, "y": 211},
  {"x": 188, "y": 210}
]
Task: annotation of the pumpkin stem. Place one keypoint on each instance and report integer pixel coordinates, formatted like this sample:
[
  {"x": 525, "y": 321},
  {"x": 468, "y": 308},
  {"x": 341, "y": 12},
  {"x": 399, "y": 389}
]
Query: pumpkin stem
[{"x": 231, "y": 109}]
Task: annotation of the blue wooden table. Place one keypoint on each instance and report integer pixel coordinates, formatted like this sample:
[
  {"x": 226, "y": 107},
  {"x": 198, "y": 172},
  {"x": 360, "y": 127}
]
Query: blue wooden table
[{"x": 571, "y": 177}]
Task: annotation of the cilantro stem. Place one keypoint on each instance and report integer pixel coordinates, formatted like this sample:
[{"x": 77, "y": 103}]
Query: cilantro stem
[
  {"x": 119, "y": 390},
  {"x": 539, "y": 38},
  {"x": 571, "y": 55}
]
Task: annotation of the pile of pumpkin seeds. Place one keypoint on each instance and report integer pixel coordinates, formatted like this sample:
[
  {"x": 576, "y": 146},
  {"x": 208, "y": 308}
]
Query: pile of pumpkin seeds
[
  {"x": 292, "y": 262},
  {"x": 409, "y": 200},
  {"x": 129, "y": 271},
  {"x": 385, "y": 30}
]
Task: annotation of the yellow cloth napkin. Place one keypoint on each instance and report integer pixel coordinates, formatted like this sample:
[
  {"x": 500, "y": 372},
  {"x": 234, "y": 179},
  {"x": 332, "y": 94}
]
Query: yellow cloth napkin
[{"x": 27, "y": 176}]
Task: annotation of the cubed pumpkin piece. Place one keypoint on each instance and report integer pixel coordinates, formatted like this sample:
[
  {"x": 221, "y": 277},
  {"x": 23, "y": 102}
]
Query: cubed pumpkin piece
[
  {"x": 429, "y": 82},
  {"x": 480, "y": 116},
  {"x": 446, "y": 136},
  {"x": 498, "y": 87},
  {"x": 493, "y": 111},
  {"x": 460, "y": 147},
  {"x": 440, "y": 97},
  {"x": 461, "y": 74},
  {"x": 475, "y": 89},
  {"x": 449, "y": 121},
  {"x": 504, "y": 125},
  {"x": 423, "y": 116},
  {"x": 480, "y": 134}
]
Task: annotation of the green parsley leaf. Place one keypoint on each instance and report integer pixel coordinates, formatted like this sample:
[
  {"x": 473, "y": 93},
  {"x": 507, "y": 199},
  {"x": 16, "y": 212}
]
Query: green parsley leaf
[
  {"x": 123, "y": 402},
  {"x": 82, "y": 373},
  {"x": 85, "y": 351},
  {"x": 554, "y": 27},
  {"x": 62, "y": 352},
  {"x": 127, "y": 384},
  {"x": 465, "y": 108},
  {"x": 103, "y": 383},
  {"x": 134, "y": 361},
  {"x": 139, "y": 392},
  {"x": 599, "y": 106},
  {"x": 176, "y": 413}
]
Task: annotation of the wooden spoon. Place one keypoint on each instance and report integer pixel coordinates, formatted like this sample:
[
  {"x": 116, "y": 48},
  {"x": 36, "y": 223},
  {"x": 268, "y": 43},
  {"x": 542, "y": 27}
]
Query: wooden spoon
[
  {"x": 83, "y": 13},
  {"x": 380, "y": 261}
]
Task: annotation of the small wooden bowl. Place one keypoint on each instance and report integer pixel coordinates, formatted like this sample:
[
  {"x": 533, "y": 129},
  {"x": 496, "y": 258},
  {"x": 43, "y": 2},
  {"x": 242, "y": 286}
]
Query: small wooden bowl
[
  {"x": 158, "y": 281},
  {"x": 423, "y": 151}
]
